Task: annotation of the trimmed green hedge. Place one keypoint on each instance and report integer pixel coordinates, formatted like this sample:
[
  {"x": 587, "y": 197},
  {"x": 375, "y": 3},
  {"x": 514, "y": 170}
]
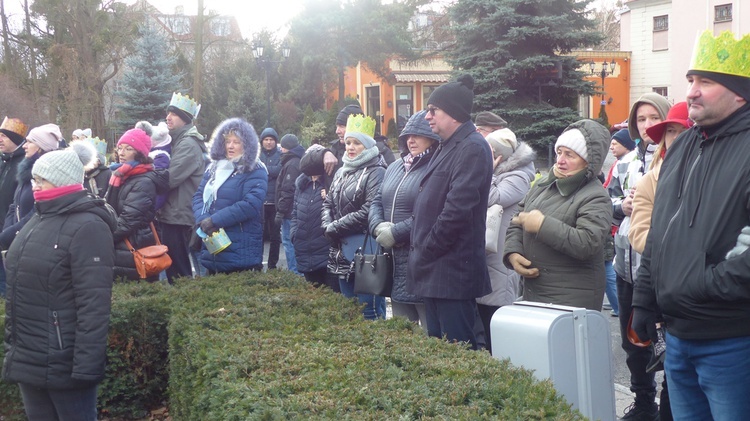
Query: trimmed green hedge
[{"x": 270, "y": 346}]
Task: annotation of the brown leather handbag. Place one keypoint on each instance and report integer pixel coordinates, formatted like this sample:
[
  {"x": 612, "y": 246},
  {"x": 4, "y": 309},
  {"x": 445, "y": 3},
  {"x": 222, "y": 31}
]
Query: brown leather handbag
[{"x": 151, "y": 260}]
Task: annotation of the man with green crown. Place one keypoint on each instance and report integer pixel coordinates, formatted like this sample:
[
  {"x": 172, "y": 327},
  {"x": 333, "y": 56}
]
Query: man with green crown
[
  {"x": 186, "y": 167},
  {"x": 694, "y": 277}
]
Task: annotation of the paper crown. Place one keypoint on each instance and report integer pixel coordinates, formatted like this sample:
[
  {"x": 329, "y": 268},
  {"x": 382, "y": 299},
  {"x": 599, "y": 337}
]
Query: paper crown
[
  {"x": 185, "y": 103},
  {"x": 15, "y": 125},
  {"x": 361, "y": 124},
  {"x": 99, "y": 144},
  {"x": 722, "y": 54}
]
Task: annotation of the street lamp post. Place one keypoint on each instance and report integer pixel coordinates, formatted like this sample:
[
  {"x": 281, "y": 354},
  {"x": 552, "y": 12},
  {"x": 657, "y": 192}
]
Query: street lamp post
[
  {"x": 606, "y": 70},
  {"x": 258, "y": 50}
]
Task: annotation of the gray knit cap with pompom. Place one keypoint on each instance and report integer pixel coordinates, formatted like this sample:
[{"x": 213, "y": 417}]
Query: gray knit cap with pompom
[
  {"x": 61, "y": 168},
  {"x": 145, "y": 126}
]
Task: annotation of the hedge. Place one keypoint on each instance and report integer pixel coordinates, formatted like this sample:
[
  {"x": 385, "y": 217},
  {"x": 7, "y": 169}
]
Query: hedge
[{"x": 270, "y": 346}]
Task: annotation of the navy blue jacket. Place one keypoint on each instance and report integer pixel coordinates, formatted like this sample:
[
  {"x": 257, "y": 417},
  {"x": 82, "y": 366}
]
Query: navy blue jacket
[
  {"x": 22, "y": 208},
  {"x": 447, "y": 257},
  {"x": 272, "y": 161},
  {"x": 307, "y": 234}
]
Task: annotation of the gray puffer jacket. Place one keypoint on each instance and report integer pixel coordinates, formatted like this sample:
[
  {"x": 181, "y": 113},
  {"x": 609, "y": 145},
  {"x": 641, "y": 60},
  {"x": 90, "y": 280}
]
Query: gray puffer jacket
[
  {"x": 510, "y": 183},
  {"x": 568, "y": 250}
]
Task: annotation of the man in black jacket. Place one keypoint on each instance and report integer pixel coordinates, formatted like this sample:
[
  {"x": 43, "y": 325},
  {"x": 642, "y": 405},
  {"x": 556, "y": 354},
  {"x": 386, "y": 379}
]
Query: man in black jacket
[
  {"x": 12, "y": 135},
  {"x": 291, "y": 153},
  {"x": 447, "y": 265},
  {"x": 691, "y": 278},
  {"x": 270, "y": 155}
]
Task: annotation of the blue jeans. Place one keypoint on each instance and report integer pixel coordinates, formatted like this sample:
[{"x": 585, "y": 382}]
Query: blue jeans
[
  {"x": 611, "y": 289},
  {"x": 291, "y": 261},
  {"x": 62, "y": 405},
  {"x": 708, "y": 379},
  {"x": 374, "y": 304}
]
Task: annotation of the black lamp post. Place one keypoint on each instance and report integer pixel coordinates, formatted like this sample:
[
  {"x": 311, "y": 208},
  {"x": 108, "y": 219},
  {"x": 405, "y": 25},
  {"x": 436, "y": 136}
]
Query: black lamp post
[
  {"x": 258, "y": 55},
  {"x": 606, "y": 70}
]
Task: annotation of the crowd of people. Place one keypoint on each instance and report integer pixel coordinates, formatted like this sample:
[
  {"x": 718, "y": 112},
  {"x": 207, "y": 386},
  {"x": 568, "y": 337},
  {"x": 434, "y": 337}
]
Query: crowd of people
[{"x": 672, "y": 210}]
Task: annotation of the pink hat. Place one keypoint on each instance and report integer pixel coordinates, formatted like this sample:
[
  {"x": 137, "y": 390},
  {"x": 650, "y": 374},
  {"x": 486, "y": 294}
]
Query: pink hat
[
  {"x": 677, "y": 114},
  {"x": 138, "y": 139}
]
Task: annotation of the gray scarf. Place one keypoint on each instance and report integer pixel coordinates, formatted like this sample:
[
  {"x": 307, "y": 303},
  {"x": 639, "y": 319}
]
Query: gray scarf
[{"x": 353, "y": 164}]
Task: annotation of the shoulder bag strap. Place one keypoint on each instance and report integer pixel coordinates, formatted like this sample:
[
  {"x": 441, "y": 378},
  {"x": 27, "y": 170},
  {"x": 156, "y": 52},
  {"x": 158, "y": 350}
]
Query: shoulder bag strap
[{"x": 156, "y": 238}]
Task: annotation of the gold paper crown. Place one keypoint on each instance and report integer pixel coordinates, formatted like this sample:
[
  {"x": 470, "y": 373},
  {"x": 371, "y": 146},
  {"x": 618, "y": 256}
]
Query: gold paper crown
[
  {"x": 722, "y": 54},
  {"x": 15, "y": 125},
  {"x": 361, "y": 124},
  {"x": 185, "y": 103}
]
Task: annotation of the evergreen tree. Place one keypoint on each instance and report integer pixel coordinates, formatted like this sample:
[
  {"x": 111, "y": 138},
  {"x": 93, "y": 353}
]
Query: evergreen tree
[
  {"x": 149, "y": 79},
  {"x": 515, "y": 49}
]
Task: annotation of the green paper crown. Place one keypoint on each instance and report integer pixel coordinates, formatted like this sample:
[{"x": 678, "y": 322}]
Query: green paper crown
[
  {"x": 361, "y": 124},
  {"x": 99, "y": 144},
  {"x": 722, "y": 54}
]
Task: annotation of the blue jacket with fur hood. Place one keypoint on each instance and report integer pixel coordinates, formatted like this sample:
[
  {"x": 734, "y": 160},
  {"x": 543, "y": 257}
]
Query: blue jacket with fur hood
[{"x": 237, "y": 203}]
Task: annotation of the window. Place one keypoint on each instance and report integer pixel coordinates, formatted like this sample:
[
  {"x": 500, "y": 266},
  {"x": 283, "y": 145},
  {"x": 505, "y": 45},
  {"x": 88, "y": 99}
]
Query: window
[
  {"x": 723, "y": 13},
  {"x": 661, "y": 23},
  {"x": 220, "y": 26},
  {"x": 661, "y": 90}
]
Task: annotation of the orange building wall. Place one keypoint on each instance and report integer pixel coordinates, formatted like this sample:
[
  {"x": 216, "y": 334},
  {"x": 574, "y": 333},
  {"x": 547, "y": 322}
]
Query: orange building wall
[{"x": 616, "y": 86}]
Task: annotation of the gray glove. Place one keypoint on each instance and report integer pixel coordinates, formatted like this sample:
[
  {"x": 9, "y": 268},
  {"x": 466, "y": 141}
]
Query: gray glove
[
  {"x": 385, "y": 238},
  {"x": 380, "y": 227},
  {"x": 743, "y": 243}
]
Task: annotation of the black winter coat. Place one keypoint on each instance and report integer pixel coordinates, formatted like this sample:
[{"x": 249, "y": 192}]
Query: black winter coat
[
  {"x": 347, "y": 206},
  {"x": 97, "y": 180},
  {"x": 8, "y": 182},
  {"x": 22, "y": 208},
  {"x": 307, "y": 234},
  {"x": 395, "y": 203},
  {"x": 59, "y": 273},
  {"x": 134, "y": 204},
  {"x": 285, "y": 183},
  {"x": 447, "y": 258},
  {"x": 272, "y": 161}
]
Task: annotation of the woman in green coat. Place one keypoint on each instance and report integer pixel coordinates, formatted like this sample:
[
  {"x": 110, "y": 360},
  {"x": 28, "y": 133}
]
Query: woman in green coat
[{"x": 556, "y": 241}]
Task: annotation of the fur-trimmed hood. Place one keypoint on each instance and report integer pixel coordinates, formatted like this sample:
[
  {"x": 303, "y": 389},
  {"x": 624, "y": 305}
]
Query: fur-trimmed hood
[
  {"x": 521, "y": 157},
  {"x": 250, "y": 143}
]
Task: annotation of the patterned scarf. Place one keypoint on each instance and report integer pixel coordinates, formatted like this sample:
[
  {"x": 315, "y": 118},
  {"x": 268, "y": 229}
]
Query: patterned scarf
[
  {"x": 123, "y": 171},
  {"x": 410, "y": 159}
]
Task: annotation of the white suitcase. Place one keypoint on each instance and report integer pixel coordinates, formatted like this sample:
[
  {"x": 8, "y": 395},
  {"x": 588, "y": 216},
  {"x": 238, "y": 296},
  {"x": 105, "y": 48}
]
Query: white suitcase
[{"x": 569, "y": 345}]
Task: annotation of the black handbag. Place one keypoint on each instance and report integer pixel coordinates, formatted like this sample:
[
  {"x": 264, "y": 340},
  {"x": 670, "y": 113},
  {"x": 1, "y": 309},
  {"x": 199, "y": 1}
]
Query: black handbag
[{"x": 373, "y": 273}]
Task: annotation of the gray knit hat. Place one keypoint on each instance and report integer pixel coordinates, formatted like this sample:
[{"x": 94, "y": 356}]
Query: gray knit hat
[{"x": 60, "y": 168}]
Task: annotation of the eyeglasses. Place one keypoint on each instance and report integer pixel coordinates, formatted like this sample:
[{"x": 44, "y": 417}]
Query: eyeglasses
[
  {"x": 125, "y": 148},
  {"x": 431, "y": 110}
]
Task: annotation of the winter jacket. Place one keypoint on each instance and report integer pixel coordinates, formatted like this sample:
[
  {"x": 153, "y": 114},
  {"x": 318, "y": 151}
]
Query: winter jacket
[
  {"x": 643, "y": 206},
  {"x": 162, "y": 156},
  {"x": 568, "y": 250},
  {"x": 96, "y": 180},
  {"x": 385, "y": 151},
  {"x": 238, "y": 206},
  {"x": 59, "y": 273},
  {"x": 285, "y": 183},
  {"x": 395, "y": 203},
  {"x": 22, "y": 208},
  {"x": 272, "y": 160},
  {"x": 446, "y": 257},
  {"x": 703, "y": 203},
  {"x": 511, "y": 181},
  {"x": 338, "y": 149},
  {"x": 311, "y": 247},
  {"x": 134, "y": 203},
  {"x": 347, "y": 205},
  {"x": 8, "y": 169},
  {"x": 186, "y": 169}
]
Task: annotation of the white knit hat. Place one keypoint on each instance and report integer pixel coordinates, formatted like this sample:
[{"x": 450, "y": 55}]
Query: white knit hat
[
  {"x": 60, "y": 168},
  {"x": 573, "y": 139}
]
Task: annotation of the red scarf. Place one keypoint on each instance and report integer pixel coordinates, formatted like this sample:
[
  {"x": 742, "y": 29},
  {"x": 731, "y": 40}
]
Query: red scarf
[
  {"x": 124, "y": 171},
  {"x": 54, "y": 193}
]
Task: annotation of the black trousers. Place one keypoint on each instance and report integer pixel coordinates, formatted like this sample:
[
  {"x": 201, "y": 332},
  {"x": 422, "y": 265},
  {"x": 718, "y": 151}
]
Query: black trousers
[
  {"x": 177, "y": 239},
  {"x": 322, "y": 277},
  {"x": 637, "y": 358},
  {"x": 271, "y": 233}
]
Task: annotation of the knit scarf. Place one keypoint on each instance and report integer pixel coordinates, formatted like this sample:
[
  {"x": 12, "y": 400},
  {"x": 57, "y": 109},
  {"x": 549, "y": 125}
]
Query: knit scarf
[
  {"x": 410, "y": 159},
  {"x": 567, "y": 183},
  {"x": 353, "y": 164},
  {"x": 54, "y": 193},
  {"x": 123, "y": 171},
  {"x": 219, "y": 171}
]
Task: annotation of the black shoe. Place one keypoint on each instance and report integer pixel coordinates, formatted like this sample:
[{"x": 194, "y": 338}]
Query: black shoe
[{"x": 641, "y": 412}]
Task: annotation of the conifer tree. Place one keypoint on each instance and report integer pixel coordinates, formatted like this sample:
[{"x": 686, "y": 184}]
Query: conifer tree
[
  {"x": 149, "y": 79},
  {"x": 516, "y": 51}
]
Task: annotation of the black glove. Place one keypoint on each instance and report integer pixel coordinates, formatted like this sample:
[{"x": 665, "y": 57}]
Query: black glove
[
  {"x": 279, "y": 218},
  {"x": 207, "y": 225},
  {"x": 644, "y": 324},
  {"x": 330, "y": 232}
]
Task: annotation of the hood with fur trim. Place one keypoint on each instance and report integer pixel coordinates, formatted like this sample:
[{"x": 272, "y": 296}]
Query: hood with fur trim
[{"x": 247, "y": 135}]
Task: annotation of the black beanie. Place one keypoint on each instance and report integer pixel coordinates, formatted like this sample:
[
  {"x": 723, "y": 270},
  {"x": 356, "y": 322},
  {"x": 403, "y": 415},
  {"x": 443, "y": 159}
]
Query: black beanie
[
  {"x": 187, "y": 118},
  {"x": 14, "y": 137},
  {"x": 455, "y": 98},
  {"x": 740, "y": 85},
  {"x": 346, "y": 112}
]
